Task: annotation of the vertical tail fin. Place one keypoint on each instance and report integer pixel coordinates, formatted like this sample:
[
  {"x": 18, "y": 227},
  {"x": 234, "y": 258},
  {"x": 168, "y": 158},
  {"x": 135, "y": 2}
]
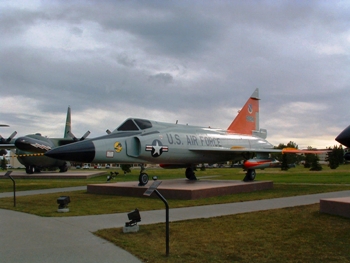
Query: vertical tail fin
[
  {"x": 68, "y": 128},
  {"x": 247, "y": 120}
]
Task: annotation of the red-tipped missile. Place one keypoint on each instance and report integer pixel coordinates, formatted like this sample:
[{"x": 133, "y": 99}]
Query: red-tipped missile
[{"x": 260, "y": 163}]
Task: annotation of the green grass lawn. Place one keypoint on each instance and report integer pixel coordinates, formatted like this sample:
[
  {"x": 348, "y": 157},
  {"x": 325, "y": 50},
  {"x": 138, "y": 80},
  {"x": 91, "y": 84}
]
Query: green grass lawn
[
  {"x": 298, "y": 234},
  {"x": 294, "y": 175},
  {"x": 296, "y": 181},
  {"x": 83, "y": 203}
]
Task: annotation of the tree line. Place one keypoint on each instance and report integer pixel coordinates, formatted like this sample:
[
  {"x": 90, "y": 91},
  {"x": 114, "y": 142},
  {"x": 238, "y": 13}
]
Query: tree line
[{"x": 335, "y": 157}]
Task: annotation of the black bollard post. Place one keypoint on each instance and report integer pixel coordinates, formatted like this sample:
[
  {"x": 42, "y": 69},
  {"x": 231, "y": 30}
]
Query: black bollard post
[
  {"x": 166, "y": 221},
  {"x": 8, "y": 174},
  {"x": 150, "y": 190}
]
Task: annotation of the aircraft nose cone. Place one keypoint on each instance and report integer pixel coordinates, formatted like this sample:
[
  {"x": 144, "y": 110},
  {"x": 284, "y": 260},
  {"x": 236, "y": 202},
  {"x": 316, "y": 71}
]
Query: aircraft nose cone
[
  {"x": 77, "y": 152},
  {"x": 28, "y": 144},
  {"x": 344, "y": 137}
]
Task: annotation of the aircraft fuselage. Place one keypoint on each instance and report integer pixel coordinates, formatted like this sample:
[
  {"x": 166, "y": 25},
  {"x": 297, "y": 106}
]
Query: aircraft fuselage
[{"x": 178, "y": 144}]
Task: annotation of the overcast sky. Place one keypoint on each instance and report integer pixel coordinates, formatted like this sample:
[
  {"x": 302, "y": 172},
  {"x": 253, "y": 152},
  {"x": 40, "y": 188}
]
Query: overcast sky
[{"x": 192, "y": 61}]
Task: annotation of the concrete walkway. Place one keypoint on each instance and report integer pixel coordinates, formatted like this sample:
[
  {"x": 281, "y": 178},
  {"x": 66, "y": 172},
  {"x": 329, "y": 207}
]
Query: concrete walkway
[{"x": 29, "y": 238}]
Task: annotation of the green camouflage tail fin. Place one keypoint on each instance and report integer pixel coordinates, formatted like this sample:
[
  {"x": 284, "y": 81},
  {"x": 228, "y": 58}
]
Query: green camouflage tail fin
[{"x": 68, "y": 128}]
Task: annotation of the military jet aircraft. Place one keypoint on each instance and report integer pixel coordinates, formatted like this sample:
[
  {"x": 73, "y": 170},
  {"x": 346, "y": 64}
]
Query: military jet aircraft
[
  {"x": 344, "y": 139},
  {"x": 175, "y": 145},
  {"x": 30, "y": 149}
]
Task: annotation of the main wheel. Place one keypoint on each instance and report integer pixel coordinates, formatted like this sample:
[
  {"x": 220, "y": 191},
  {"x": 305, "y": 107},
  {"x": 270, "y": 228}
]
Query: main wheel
[
  {"x": 143, "y": 179},
  {"x": 190, "y": 174},
  {"x": 250, "y": 175},
  {"x": 63, "y": 168},
  {"x": 30, "y": 169}
]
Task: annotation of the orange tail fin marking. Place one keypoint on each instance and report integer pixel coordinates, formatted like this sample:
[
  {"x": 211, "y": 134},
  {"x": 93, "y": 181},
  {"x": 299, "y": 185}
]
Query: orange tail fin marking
[{"x": 247, "y": 119}]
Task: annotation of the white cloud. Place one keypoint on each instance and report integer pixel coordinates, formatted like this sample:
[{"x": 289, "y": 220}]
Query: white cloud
[
  {"x": 192, "y": 61},
  {"x": 301, "y": 107}
]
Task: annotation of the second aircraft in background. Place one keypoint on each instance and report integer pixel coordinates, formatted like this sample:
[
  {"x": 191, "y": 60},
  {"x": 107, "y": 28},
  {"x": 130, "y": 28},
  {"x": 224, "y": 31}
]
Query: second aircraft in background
[{"x": 30, "y": 149}]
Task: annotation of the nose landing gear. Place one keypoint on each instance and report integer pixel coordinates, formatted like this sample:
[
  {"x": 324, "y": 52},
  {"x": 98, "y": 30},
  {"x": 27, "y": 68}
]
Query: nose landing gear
[{"x": 190, "y": 175}]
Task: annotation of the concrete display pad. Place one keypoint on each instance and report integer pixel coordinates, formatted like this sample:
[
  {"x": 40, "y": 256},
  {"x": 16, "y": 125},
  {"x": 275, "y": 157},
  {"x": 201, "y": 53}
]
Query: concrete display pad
[
  {"x": 181, "y": 188},
  {"x": 336, "y": 206},
  {"x": 54, "y": 175}
]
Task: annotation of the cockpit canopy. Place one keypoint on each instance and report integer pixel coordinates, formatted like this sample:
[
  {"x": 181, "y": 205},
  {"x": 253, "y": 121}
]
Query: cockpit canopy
[
  {"x": 147, "y": 126},
  {"x": 135, "y": 125}
]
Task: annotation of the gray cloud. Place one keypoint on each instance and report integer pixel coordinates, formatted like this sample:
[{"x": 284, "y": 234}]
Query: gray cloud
[{"x": 195, "y": 61}]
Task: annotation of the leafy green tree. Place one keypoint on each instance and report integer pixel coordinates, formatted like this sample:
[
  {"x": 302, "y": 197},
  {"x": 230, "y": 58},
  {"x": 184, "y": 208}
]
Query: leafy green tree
[
  {"x": 284, "y": 164},
  {"x": 307, "y": 160},
  {"x": 315, "y": 165},
  {"x": 278, "y": 156},
  {"x": 287, "y": 159},
  {"x": 340, "y": 154},
  {"x": 331, "y": 158}
]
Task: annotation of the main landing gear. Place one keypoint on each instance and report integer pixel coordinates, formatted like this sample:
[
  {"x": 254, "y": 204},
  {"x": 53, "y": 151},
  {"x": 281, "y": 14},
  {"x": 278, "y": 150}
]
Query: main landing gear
[
  {"x": 30, "y": 169},
  {"x": 63, "y": 168},
  {"x": 250, "y": 175},
  {"x": 143, "y": 177}
]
